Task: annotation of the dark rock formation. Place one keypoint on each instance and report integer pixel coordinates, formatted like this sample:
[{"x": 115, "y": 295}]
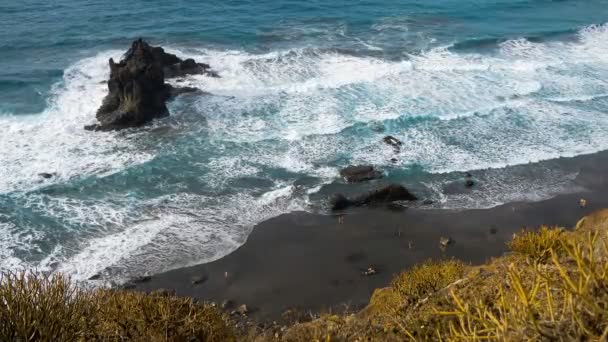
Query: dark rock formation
[
  {"x": 391, "y": 140},
  {"x": 386, "y": 194},
  {"x": 339, "y": 202},
  {"x": 360, "y": 173},
  {"x": 389, "y": 193},
  {"x": 137, "y": 89},
  {"x": 188, "y": 67}
]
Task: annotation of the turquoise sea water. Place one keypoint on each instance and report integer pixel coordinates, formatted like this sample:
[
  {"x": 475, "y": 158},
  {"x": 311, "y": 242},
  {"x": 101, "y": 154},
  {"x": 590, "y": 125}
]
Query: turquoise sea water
[{"x": 307, "y": 87}]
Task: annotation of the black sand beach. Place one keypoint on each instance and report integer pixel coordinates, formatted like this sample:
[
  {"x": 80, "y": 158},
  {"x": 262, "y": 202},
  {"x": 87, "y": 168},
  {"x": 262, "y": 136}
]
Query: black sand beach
[{"x": 313, "y": 262}]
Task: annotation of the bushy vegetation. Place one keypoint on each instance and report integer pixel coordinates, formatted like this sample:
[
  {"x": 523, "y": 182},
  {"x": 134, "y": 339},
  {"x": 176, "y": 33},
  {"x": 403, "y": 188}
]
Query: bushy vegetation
[
  {"x": 553, "y": 285},
  {"x": 35, "y": 307},
  {"x": 538, "y": 244}
]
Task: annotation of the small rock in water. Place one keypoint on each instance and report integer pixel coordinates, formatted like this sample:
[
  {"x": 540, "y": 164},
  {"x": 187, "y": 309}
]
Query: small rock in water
[
  {"x": 582, "y": 202},
  {"x": 394, "y": 160},
  {"x": 360, "y": 173},
  {"x": 46, "y": 175},
  {"x": 369, "y": 272},
  {"x": 95, "y": 276},
  {"x": 198, "y": 280},
  {"x": 469, "y": 183},
  {"x": 391, "y": 140},
  {"x": 445, "y": 241}
]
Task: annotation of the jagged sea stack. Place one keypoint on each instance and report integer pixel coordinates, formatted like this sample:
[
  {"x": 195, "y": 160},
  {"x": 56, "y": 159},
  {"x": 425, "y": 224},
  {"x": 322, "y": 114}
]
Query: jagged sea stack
[{"x": 137, "y": 92}]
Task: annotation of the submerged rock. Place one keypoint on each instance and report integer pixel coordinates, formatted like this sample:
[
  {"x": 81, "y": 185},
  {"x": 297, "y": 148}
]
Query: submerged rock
[
  {"x": 360, "y": 173},
  {"x": 137, "y": 91}
]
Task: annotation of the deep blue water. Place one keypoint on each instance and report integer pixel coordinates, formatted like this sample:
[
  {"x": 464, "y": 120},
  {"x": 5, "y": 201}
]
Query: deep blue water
[{"x": 307, "y": 87}]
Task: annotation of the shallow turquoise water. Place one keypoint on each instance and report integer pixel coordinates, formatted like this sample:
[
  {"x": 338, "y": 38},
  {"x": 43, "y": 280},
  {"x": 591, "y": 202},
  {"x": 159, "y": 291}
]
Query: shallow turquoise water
[{"x": 306, "y": 88}]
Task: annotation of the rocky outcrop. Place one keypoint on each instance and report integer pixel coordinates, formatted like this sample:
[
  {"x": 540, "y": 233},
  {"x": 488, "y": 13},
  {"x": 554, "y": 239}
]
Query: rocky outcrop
[
  {"x": 188, "y": 67},
  {"x": 360, "y": 173},
  {"x": 339, "y": 202},
  {"x": 137, "y": 92},
  {"x": 387, "y": 194}
]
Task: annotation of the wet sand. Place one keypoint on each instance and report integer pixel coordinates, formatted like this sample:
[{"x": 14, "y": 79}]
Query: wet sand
[{"x": 314, "y": 262}]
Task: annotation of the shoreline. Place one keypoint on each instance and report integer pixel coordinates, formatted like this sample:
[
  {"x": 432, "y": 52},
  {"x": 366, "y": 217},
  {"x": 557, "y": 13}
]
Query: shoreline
[{"x": 311, "y": 262}]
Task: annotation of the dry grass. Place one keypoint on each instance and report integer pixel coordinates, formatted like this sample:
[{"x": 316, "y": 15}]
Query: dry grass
[
  {"x": 564, "y": 300},
  {"x": 427, "y": 278},
  {"x": 34, "y": 307},
  {"x": 538, "y": 244}
]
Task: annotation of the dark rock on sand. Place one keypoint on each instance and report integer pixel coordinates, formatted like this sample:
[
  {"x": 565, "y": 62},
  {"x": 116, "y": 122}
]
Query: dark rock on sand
[
  {"x": 141, "y": 279},
  {"x": 339, "y": 202},
  {"x": 445, "y": 241},
  {"x": 227, "y": 304},
  {"x": 137, "y": 91},
  {"x": 360, "y": 173},
  {"x": 242, "y": 310},
  {"x": 198, "y": 280},
  {"x": 389, "y": 193}
]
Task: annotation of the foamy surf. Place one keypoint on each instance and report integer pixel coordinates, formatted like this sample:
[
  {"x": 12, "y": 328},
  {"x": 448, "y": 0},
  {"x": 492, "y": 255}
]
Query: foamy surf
[{"x": 190, "y": 188}]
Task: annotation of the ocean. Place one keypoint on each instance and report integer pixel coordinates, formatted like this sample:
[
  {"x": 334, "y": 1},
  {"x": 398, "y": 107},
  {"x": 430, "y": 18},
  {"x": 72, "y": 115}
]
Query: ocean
[{"x": 306, "y": 88}]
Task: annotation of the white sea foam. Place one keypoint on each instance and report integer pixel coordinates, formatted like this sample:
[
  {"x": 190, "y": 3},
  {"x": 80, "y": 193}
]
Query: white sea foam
[
  {"x": 188, "y": 229},
  {"x": 323, "y": 93},
  {"x": 298, "y": 111},
  {"x": 55, "y": 141}
]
